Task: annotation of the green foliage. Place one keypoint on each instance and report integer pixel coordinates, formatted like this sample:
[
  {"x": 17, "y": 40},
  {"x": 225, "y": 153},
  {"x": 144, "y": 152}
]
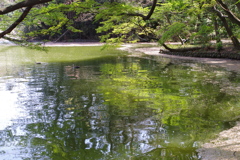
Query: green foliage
[
  {"x": 123, "y": 21},
  {"x": 172, "y": 30},
  {"x": 50, "y": 20},
  {"x": 53, "y": 18},
  {"x": 204, "y": 34},
  {"x": 117, "y": 23},
  {"x": 219, "y": 46}
]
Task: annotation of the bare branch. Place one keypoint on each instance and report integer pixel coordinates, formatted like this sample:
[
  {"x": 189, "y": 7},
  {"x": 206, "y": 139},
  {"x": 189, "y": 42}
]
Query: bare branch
[{"x": 219, "y": 12}]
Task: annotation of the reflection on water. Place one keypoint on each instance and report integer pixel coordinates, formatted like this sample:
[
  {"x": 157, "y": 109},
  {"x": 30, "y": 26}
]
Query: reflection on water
[{"x": 113, "y": 108}]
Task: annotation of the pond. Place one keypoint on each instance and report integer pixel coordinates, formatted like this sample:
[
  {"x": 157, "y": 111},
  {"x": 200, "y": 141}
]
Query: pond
[{"x": 83, "y": 103}]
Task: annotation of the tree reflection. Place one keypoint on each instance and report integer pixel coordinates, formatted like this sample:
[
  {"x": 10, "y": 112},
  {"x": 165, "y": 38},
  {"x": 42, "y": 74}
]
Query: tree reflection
[{"x": 125, "y": 108}]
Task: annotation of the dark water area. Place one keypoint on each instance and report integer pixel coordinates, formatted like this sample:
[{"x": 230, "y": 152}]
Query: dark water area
[{"x": 115, "y": 107}]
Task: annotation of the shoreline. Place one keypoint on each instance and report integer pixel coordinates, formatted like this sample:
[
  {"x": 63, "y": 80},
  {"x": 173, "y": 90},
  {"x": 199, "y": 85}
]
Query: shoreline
[
  {"x": 228, "y": 64},
  {"x": 152, "y": 49}
]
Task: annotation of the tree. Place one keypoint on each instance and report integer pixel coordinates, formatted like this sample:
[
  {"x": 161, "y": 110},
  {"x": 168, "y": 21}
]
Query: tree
[
  {"x": 28, "y": 4},
  {"x": 54, "y": 19},
  {"x": 234, "y": 39},
  {"x": 232, "y": 17},
  {"x": 170, "y": 20},
  {"x": 130, "y": 21}
]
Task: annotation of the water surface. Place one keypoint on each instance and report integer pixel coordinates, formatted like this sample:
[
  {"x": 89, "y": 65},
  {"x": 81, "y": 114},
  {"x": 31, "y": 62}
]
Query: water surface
[{"x": 111, "y": 106}]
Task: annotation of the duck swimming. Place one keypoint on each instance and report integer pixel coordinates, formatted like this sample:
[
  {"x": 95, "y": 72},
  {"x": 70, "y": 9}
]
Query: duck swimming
[{"x": 76, "y": 66}]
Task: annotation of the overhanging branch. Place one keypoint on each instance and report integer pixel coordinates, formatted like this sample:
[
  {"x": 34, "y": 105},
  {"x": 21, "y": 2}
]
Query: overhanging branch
[
  {"x": 19, "y": 5},
  {"x": 152, "y": 10},
  {"x": 143, "y": 16},
  {"x": 17, "y": 22}
]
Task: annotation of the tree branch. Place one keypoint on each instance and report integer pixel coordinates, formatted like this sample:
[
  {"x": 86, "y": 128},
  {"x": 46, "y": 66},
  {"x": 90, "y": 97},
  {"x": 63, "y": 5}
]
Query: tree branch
[
  {"x": 231, "y": 15},
  {"x": 235, "y": 41},
  {"x": 152, "y": 10},
  {"x": 134, "y": 14},
  {"x": 13, "y": 39},
  {"x": 143, "y": 16},
  {"x": 181, "y": 49},
  {"x": 17, "y": 22},
  {"x": 19, "y": 5}
]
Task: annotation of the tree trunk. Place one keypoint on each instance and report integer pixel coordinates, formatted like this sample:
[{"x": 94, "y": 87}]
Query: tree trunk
[
  {"x": 151, "y": 11},
  {"x": 181, "y": 49},
  {"x": 235, "y": 41},
  {"x": 230, "y": 14}
]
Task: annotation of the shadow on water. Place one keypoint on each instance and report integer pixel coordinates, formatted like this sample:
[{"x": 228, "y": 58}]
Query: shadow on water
[{"x": 114, "y": 108}]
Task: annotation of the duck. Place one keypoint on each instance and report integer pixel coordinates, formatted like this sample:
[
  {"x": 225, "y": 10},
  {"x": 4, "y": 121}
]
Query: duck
[{"x": 76, "y": 66}]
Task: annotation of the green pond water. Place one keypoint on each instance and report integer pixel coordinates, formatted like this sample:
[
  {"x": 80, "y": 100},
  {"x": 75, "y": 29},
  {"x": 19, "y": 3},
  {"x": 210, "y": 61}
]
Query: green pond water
[{"x": 113, "y": 106}]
